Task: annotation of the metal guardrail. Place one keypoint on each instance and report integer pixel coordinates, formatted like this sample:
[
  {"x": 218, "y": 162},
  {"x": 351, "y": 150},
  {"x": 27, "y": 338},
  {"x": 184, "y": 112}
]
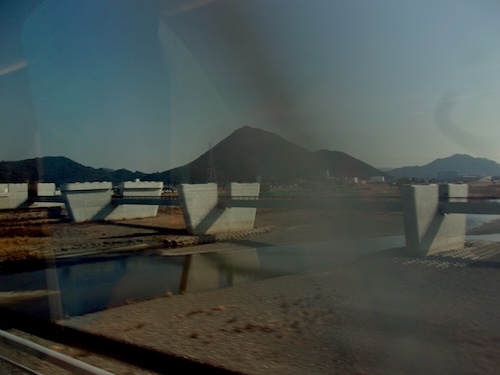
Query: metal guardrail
[{"x": 71, "y": 364}]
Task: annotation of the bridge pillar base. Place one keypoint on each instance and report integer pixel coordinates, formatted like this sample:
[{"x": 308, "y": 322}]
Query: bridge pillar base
[
  {"x": 427, "y": 231},
  {"x": 199, "y": 205}
]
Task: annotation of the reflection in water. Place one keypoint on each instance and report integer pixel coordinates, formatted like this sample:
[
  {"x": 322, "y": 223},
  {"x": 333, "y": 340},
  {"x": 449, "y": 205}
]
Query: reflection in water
[
  {"x": 90, "y": 286},
  {"x": 219, "y": 270},
  {"x": 15, "y": 296},
  {"x": 99, "y": 284},
  {"x": 73, "y": 289}
]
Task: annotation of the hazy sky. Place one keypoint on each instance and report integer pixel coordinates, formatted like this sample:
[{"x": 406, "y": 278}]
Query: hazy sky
[{"x": 147, "y": 85}]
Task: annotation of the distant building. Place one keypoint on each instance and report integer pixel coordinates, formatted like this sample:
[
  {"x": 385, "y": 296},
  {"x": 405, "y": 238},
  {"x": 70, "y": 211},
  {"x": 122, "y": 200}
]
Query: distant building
[
  {"x": 377, "y": 179},
  {"x": 351, "y": 180},
  {"x": 470, "y": 178}
]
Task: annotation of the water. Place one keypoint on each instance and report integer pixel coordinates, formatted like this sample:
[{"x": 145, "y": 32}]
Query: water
[
  {"x": 475, "y": 221},
  {"x": 76, "y": 288},
  {"x": 79, "y": 288}
]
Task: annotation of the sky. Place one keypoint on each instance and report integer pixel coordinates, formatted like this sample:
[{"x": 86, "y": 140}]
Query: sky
[{"x": 149, "y": 85}]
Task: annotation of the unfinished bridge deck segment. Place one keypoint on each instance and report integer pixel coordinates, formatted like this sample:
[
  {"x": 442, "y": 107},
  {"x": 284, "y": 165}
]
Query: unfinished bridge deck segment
[
  {"x": 321, "y": 203},
  {"x": 281, "y": 202}
]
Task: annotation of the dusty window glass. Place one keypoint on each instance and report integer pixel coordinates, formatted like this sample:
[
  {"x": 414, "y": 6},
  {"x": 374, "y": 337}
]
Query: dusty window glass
[{"x": 252, "y": 186}]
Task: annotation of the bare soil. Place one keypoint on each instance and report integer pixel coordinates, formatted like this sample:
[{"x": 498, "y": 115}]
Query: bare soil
[{"x": 38, "y": 238}]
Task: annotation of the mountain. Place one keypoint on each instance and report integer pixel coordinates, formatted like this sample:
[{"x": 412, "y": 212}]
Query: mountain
[
  {"x": 246, "y": 153},
  {"x": 59, "y": 169},
  {"x": 241, "y": 157},
  {"x": 251, "y": 152},
  {"x": 459, "y": 164},
  {"x": 343, "y": 165}
]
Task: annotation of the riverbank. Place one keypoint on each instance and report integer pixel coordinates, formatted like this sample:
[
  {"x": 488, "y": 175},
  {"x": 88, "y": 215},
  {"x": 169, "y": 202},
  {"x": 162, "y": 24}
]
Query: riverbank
[{"x": 380, "y": 314}]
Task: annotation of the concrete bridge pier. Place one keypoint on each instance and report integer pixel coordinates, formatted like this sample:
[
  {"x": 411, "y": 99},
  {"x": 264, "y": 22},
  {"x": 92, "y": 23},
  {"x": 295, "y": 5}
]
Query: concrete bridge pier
[
  {"x": 86, "y": 201},
  {"x": 203, "y": 216},
  {"x": 138, "y": 189},
  {"x": 90, "y": 201},
  {"x": 427, "y": 230}
]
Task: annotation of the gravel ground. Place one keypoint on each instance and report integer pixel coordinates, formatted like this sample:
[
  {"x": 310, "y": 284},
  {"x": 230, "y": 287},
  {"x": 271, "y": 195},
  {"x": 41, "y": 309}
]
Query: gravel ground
[{"x": 379, "y": 314}]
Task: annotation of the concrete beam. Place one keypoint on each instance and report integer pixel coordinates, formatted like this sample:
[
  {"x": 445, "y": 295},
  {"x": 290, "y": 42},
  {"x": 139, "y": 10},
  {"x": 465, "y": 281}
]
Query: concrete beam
[
  {"x": 13, "y": 195},
  {"x": 45, "y": 189},
  {"x": 203, "y": 216},
  {"x": 427, "y": 230}
]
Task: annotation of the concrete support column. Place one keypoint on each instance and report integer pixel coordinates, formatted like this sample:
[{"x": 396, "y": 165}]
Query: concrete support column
[
  {"x": 13, "y": 195},
  {"x": 242, "y": 217},
  {"x": 199, "y": 205},
  {"x": 87, "y": 201},
  {"x": 137, "y": 189},
  {"x": 427, "y": 231}
]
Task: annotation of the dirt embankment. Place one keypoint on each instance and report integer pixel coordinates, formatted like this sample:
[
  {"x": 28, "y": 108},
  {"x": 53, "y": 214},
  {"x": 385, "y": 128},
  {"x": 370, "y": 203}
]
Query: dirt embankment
[{"x": 24, "y": 237}]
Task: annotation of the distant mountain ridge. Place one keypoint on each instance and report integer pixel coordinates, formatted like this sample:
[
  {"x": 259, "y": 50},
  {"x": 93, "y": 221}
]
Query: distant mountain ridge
[
  {"x": 60, "y": 169},
  {"x": 250, "y": 152},
  {"x": 459, "y": 163},
  {"x": 240, "y": 157}
]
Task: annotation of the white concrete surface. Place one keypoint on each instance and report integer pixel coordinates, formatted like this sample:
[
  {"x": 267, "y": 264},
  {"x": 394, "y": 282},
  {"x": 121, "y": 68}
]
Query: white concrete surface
[
  {"x": 46, "y": 189},
  {"x": 199, "y": 205},
  {"x": 197, "y": 202},
  {"x": 87, "y": 201},
  {"x": 137, "y": 189},
  {"x": 427, "y": 231},
  {"x": 241, "y": 217},
  {"x": 13, "y": 195}
]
